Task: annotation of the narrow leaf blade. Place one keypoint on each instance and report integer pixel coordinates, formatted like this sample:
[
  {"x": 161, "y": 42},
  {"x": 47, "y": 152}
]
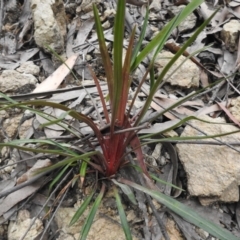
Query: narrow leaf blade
[
  {"x": 185, "y": 212},
  {"x": 127, "y": 190},
  {"x": 89, "y": 220},
  {"x": 171, "y": 63},
  {"x": 165, "y": 33},
  {"x": 81, "y": 209},
  {"x": 117, "y": 58},
  {"x": 104, "y": 52},
  {"x": 142, "y": 35},
  {"x": 122, "y": 215}
]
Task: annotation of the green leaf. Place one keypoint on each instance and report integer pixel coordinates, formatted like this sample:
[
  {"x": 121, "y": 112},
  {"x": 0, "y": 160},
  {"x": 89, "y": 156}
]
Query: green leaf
[
  {"x": 117, "y": 58},
  {"x": 122, "y": 215},
  {"x": 185, "y": 137},
  {"x": 165, "y": 37},
  {"x": 72, "y": 160},
  {"x": 185, "y": 212},
  {"x": 70, "y": 112},
  {"x": 59, "y": 119},
  {"x": 89, "y": 220},
  {"x": 169, "y": 65},
  {"x": 84, "y": 167},
  {"x": 162, "y": 36},
  {"x": 126, "y": 79},
  {"x": 63, "y": 146},
  {"x": 83, "y": 171},
  {"x": 152, "y": 77},
  {"x": 183, "y": 48},
  {"x": 81, "y": 209},
  {"x": 44, "y": 115},
  {"x": 17, "y": 144},
  {"x": 142, "y": 35},
  {"x": 56, "y": 179},
  {"x": 127, "y": 190},
  {"x": 156, "y": 178},
  {"x": 104, "y": 53}
]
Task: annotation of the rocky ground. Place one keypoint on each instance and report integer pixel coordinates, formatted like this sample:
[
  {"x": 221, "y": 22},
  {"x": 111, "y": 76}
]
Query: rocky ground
[{"x": 208, "y": 170}]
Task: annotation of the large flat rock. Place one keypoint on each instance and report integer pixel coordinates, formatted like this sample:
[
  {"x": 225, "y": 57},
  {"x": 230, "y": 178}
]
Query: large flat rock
[
  {"x": 186, "y": 75},
  {"x": 213, "y": 171}
]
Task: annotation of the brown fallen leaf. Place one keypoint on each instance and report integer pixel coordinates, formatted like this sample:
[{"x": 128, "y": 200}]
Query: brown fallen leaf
[
  {"x": 30, "y": 173},
  {"x": 204, "y": 78},
  {"x": 17, "y": 196},
  {"x": 221, "y": 105},
  {"x": 56, "y": 78}
]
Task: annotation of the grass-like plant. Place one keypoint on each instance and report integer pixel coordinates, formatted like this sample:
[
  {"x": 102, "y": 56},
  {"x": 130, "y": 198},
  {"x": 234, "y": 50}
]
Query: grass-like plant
[{"x": 120, "y": 131}]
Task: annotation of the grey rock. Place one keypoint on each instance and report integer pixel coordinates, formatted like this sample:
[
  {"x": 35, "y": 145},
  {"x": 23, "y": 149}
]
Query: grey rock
[
  {"x": 102, "y": 228},
  {"x": 50, "y": 24},
  {"x": 186, "y": 76},
  {"x": 87, "y": 5},
  {"x": 190, "y": 21},
  {"x": 29, "y": 68},
  {"x": 213, "y": 171},
  {"x": 11, "y": 125},
  {"x": 17, "y": 229},
  {"x": 155, "y": 6},
  {"x": 235, "y": 108},
  {"x": 11, "y": 81},
  {"x": 230, "y": 35}
]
